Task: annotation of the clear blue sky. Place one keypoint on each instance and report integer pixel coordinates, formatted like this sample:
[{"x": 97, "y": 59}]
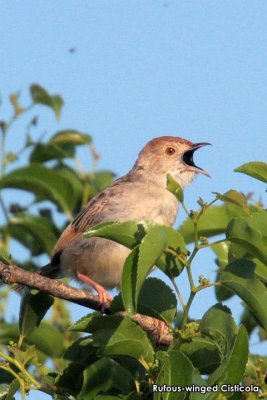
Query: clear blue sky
[{"x": 145, "y": 68}]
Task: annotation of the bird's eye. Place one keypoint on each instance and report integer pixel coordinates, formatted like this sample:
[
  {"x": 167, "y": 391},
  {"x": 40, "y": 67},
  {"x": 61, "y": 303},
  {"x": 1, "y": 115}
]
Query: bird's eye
[{"x": 170, "y": 151}]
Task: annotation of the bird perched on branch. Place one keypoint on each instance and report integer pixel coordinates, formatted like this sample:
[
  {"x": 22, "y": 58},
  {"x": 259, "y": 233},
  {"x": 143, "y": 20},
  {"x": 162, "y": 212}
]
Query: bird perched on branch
[{"x": 141, "y": 194}]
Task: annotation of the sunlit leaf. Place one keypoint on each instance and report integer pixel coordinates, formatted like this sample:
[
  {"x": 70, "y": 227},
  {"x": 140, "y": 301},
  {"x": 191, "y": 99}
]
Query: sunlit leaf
[
  {"x": 213, "y": 222},
  {"x": 232, "y": 196},
  {"x": 256, "y": 169},
  {"x": 175, "y": 188},
  {"x": 41, "y": 96},
  {"x": 139, "y": 263},
  {"x": 71, "y": 136}
]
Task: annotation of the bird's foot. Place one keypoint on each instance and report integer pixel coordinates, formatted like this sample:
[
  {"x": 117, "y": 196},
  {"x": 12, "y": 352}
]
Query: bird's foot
[{"x": 103, "y": 296}]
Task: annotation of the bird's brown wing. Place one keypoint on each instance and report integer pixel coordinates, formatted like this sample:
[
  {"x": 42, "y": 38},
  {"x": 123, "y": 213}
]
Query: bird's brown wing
[{"x": 89, "y": 216}]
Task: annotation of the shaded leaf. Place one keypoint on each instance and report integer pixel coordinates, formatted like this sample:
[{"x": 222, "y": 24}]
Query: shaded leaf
[
  {"x": 242, "y": 232},
  {"x": 176, "y": 370},
  {"x": 121, "y": 336},
  {"x": 81, "y": 351},
  {"x": 103, "y": 375},
  {"x": 256, "y": 169},
  {"x": 204, "y": 354},
  {"x": 40, "y": 229},
  {"x": 7, "y": 391},
  {"x": 44, "y": 183},
  {"x": 116, "y": 335},
  {"x": 219, "y": 325},
  {"x": 43, "y": 152},
  {"x": 157, "y": 300},
  {"x": 232, "y": 368},
  {"x": 47, "y": 339},
  {"x": 239, "y": 277},
  {"x": 33, "y": 308}
]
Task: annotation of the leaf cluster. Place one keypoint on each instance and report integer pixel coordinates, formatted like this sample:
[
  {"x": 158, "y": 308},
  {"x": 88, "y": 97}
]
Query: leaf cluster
[{"x": 111, "y": 356}]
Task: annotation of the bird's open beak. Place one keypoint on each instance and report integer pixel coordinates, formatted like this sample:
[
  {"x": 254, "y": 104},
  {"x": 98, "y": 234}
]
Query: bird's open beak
[{"x": 188, "y": 158}]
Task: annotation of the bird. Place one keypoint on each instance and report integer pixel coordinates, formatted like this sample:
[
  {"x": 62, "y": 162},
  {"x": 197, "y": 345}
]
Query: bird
[{"x": 140, "y": 195}]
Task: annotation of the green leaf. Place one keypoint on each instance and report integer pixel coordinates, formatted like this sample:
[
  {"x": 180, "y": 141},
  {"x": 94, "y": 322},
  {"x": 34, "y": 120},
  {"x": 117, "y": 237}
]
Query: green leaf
[
  {"x": 71, "y": 380},
  {"x": 232, "y": 196},
  {"x": 157, "y": 300},
  {"x": 71, "y": 136},
  {"x": 239, "y": 277},
  {"x": 175, "y": 188},
  {"x": 232, "y": 368},
  {"x": 221, "y": 250},
  {"x": 103, "y": 375},
  {"x": 116, "y": 335},
  {"x": 47, "y": 339},
  {"x": 5, "y": 257},
  {"x": 121, "y": 336},
  {"x": 212, "y": 222},
  {"x": 39, "y": 229},
  {"x": 256, "y": 169},
  {"x": 7, "y": 391},
  {"x": 81, "y": 351},
  {"x": 86, "y": 323},
  {"x": 204, "y": 354},
  {"x": 139, "y": 263},
  {"x": 33, "y": 308},
  {"x": 102, "y": 179},
  {"x": 176, "y": 370},
  {"x": 242, "y": 232},
  {"x": 41, "y": 96},
  {"x": 168, "y": 263},
  {"x": 43, "y": 152},
  {"x": 44, "y": 183},
  {"x": 128, "y": 233},
  {"x": 218, "y": 324}
]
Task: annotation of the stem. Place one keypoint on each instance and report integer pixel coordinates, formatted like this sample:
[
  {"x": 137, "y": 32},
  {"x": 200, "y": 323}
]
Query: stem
[
  {"x": 178, "y": 293},
  {"x": 185, "y": 209},
  {"x": 199, "y": 288},
  {"x": 21, "y": 368},
  {"x": 202, "y": 246},
  {"x": 4, "y": 208},
  {"x": 186, "y": 311}
]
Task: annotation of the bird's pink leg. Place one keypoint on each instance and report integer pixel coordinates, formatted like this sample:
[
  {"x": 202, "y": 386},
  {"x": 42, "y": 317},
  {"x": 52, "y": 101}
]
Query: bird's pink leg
[{"x": 103, "y": 296}]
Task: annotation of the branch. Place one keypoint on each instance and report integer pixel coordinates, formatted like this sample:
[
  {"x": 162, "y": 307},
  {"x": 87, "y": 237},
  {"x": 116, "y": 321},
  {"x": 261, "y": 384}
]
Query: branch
[{"x": 12, "y": 274}]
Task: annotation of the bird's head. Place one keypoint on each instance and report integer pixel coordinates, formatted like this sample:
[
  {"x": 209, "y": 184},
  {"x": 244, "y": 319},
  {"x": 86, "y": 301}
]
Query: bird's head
[{"x": 171, "y": 155}]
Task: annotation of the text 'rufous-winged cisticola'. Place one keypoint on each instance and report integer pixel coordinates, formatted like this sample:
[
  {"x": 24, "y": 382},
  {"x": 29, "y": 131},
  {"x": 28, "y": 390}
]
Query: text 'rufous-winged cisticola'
[{"x": 140, "y": 195}]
